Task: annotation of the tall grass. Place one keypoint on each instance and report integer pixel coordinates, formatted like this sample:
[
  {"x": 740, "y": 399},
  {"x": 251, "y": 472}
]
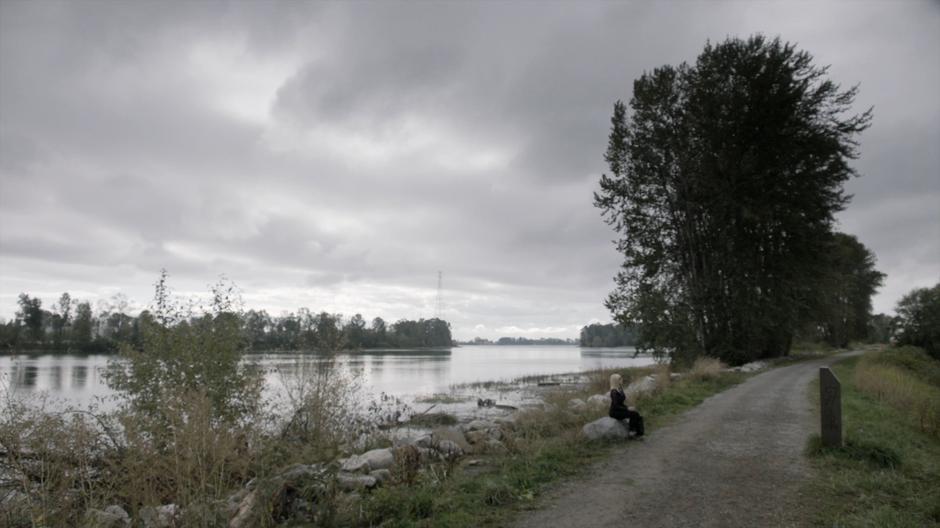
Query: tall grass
[
  {"x": 887, "y": 472},
  {"x": 908, "y": 380},
  {"x": 706, "y": 368}
]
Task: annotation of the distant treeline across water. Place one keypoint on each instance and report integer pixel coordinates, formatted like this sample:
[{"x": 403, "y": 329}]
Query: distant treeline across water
[{"x": 72, "y": 326}]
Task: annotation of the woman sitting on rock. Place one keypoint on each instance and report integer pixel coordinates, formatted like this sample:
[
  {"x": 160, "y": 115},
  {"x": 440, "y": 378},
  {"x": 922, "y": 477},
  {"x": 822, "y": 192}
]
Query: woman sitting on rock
[{"x": 619, "y": 409}]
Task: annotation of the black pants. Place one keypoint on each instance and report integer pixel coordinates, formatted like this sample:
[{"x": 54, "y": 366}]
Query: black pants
[
  {"x": 634, "y": 420},
  {"x": 636, "y": 423}
]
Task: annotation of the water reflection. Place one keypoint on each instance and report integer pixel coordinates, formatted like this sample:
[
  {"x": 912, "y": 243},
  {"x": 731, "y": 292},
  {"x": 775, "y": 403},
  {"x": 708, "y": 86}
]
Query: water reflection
[
  {"x": 79, "y": 376},
  {"x": 55, "y": 377},
  {"x": 78, "y": 379}
]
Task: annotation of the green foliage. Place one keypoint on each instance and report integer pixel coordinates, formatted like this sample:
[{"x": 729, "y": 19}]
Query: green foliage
[
  {"x": 606, "y": 335},
  {"x": 723, "y": 185},
  {"x": 843, "y": 306},
  {"x": 186, "y": 353},
  {"x": 857, "y": 450},
  {"x": 918, "y": 320},
  {"x": 32, "y": 316}
]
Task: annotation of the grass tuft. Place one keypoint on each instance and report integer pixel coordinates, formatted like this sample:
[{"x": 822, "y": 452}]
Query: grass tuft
[{"x": 706, "y": 368}]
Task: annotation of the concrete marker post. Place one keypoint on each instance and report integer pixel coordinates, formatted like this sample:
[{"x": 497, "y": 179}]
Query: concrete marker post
[{"x": 830, "y": 408}]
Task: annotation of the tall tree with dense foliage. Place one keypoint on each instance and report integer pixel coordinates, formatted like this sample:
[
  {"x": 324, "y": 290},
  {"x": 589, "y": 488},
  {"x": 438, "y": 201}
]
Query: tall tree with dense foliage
[
  {"x": 918, "y": 321},
  {"x": 846, "y": 289},
  {"x": 31, "y": 315},
  {"x": 723, "y": 184}
]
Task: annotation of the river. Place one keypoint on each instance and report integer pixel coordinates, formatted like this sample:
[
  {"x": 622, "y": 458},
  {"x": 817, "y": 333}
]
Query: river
[{"x": 78, "y": 380}]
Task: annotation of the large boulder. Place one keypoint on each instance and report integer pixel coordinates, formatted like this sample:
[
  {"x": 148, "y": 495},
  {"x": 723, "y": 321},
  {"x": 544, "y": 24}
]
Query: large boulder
[
  {"x": 605, "y": 428},
  {"x": 369, "y": 461},
  {"x": 164, "y": 516},
  {"x": 111, "y": 517},
  {"x": 246, "y": 511},
  {"x": 449, "y": 434},
  {"x": 354, "y": 482},
  {"x": 449, "y": 450},
  {"x": 599, "y": 400},
  {"x": 280, "y": 497},
  {"x": 644, "y": 385},
  {"x": 479, "y": 425},
  {"x": 381, "y": 475},
  {"x": 380, "y": 458}
]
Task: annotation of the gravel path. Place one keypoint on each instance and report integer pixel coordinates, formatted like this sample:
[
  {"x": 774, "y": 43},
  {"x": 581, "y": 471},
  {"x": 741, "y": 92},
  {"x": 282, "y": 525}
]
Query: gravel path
[{"x": 735, "y": 460}]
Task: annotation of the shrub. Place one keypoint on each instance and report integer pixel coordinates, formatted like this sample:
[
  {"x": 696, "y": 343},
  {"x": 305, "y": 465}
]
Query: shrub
[
  {"x": 186, "y": 352},
  {"x": 918, "y": 320},
  {"x": 706, "y": 368}
]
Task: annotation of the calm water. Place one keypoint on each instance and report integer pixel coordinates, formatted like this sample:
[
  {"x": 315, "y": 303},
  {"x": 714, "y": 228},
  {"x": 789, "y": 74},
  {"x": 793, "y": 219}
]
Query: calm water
[{"x": 79, "y": 380}]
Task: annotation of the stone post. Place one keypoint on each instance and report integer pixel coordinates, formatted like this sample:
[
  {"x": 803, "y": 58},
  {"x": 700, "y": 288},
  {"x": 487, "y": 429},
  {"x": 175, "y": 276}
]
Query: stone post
[{"x": 830, "y": 408}]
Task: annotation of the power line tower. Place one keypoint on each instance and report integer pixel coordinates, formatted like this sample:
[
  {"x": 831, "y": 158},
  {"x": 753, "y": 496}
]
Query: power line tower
[{"x": 439, "y": 303}]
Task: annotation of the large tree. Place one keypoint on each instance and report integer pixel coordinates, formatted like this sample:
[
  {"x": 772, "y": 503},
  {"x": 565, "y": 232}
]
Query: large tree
[
  {"x": 846, "y": 288},
  {"x": 723, "y": 184},
  {"x": 919, "y": 319}
]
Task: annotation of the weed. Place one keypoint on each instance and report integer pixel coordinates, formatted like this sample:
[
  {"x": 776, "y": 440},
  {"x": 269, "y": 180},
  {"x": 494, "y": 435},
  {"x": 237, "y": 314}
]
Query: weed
[{"x": 706, "y": 368}]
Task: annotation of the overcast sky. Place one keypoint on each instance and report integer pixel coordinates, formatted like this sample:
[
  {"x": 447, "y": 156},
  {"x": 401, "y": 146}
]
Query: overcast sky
[{"x": 336, "y": 156}]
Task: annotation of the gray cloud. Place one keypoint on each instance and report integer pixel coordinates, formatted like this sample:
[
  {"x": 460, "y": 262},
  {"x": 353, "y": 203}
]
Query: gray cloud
[{"x": 337, "y": 155}]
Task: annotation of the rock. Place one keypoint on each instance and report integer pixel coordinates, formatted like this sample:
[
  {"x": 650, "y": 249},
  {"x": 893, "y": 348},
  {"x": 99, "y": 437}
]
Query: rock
[
  {"x": 753, "y": 366},
  {"x": 381, "y": 475},
  {"x": 477, "y": 437},
  {"x": 479, "y": 425},
  {"x": 111, "y": 517},
  {"x": 577, "y": 404},
  {"x": 298, "y": 474},
  {"x": 282, "y": 496},
  {"x": 449, "y": 449},
  {"x": 451, "y": 434},
  {"x": 425, "y": 441},
  {"x": 495, "y": 446},
  {"x": 674, "y": 376},
  {"x": 245, "y": 511},
  {"x": 380, "y": 458},
  {"x": 164, "y": 516},
  {"x": 354, "y": 482},
  {"x": 599, "y": 400},
  {"x": 368, "y": 461},
  {"x": 605, "y": 428},
  {"x": 508, "y": 421},
  {"x": 641, "y": 386},
  {"x": 233, "y": 501},
  {"x": 355, "y": 464}
]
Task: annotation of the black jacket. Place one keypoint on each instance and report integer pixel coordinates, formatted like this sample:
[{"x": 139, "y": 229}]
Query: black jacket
[{"x": 618, "y": 405}]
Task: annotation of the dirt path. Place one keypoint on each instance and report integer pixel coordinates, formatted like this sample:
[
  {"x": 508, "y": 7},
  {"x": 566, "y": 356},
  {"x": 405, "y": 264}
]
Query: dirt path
[{"x": 735, "y": 460}]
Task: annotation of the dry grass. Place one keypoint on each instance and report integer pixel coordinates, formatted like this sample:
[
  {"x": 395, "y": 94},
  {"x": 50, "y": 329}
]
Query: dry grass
[
  {"x": 663, "y": 379},
  {"x": 706, "y": 368},
  {"x": 902, "y": 388}
]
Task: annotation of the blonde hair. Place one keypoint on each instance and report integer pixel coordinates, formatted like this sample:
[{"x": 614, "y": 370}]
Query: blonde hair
[{"x": 616, "y": 382}]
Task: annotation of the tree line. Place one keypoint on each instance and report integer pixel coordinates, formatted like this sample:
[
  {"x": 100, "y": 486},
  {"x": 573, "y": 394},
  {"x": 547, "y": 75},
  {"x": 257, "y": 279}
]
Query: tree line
[
  {"x": 607, "y": 335},
  {"x": 74, "y": 326}
]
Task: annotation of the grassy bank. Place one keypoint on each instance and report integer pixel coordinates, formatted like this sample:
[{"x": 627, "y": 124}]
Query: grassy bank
[
  {"x": 888, "y": 472},
  {"x": 544, "y": 447}
]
